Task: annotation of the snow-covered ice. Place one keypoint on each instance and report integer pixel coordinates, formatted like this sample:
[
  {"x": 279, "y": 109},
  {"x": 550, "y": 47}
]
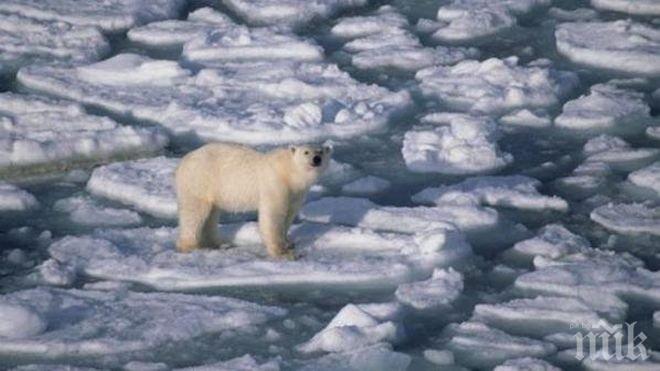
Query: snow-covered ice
[
  {"x": 85, "y": 211},
  {"x": 13, "y": 198},
  {"x": 25, "y": 41},
  {"x": 634, "y": 7},
  {"x": 253, "y": 103},
  {"x": 444, "y": 286},
  {"x": 495, "y": 86},
  {"x": 40, "y": 134},
  {"x": 330, "y": 256},
  {"x": 623, "y": 46},
  {"x": 366, "y": 186},
  {"x": 108, "y": 15},
  {"x": 516, "y": 191},
  {"x": 83, "y": 325},
  {"x": 648, "y": 177},
  {"x": 379, "y": 357},
  {"x": 455, "y": 144},
  {"x": 619, "y": 154},
  {"x": 553, "y": 241},
  {"x": 526, "y": 364},
  {"x": 606, "y": 109},
  {"x": 632, "y": 218}
]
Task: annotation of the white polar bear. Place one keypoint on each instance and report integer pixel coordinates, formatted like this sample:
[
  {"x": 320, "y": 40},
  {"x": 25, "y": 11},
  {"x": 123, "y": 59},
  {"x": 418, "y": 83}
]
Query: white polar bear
[{"x": 233, "y": 178}]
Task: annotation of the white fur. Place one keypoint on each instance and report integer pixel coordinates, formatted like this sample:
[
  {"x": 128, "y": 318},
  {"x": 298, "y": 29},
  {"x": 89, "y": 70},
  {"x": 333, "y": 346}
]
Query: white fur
[{"x": 233, "y": 178}]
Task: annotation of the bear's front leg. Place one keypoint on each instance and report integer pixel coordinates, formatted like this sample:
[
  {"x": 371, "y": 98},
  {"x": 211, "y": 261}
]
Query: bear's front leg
[{"x": 273, "y": 212}]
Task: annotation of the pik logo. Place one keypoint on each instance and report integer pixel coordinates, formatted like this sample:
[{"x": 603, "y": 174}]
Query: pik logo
[{"x": 606, "y": 342}]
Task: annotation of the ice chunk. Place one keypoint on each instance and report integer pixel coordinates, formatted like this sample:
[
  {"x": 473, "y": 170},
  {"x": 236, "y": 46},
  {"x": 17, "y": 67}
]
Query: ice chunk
[
  {"x": 108, "y": 15},
  {"x": 20, "y": 321},
  {"x": 479, "y": 346},
  {"x": 631, "y": 219},
  {"x": 526, "y": 118},
  {"x": 648, "y": 177},
  {"x": 84, "y": 211},
  {"x": 586, "y": 180},
  {"x": 174, "y": 32},
  {"x": 358, "y": 326},
  {"x": 24, "y": 41},
  {"x": 378, "y": 357},
  {"x": 553, "y": 241},
  {"x": 635, "y": 7},
  {"x": 244, "y": 363},
  {"x": 366, "y": 186},
  {"x": 653, "y": 132},
  {"x": 147, "y": 185},
  {"x": 618, "y": 154},
  {"x": 623, "y": 46},
  {"x": 13, "y": 198},
  {"x": 579, "y": 14},
  {"x": 93, "y": 324},
  {"x": 382, "y": 40},
  {"x": 526, "y": 364},
  {"x": 460, "y": 144},
  {"x": 444, "y": 286},
  {"x": 495, "y": 86},
  {"x": 541, "y": 316},
  {"x": 40, "y": 134},
  {"x": 331, "y": 256},
  {"x": 607, "y": 109},
  {"x": 288, "y": 12},
  {"x": 514, "y": 191},
  {"x": 241, "y": 102},
  {"x": 439, "y": 357},
  {"x": 463, "y": 21},
  {"x": 603, "y": 360}
]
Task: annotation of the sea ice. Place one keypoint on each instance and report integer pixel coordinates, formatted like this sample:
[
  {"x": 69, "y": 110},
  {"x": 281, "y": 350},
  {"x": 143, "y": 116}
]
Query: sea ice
[
  {"x": 618, "y": 154},
  {"x": 19, "y": 321},
  {"x": 366, "y": 186},
  {"x": 108, "y": 15},
  {"x": 252, "y": 103},
  {"x": 526, "y": 118},
  {"x": 244, "y": 363},
  {"x": 87, "y": 325},
  {"x": 579, "y": 14},
  {"x": 13, "y": 198},
  {"x": 85, "y": 211},
  {"x": 553, "y": 241},
  {"x": 458, "y": 144},
  {"x": 495, "y": 86},
  {"x": 24, "y": 41},
  {"x": 174, "y": 32},
  {"x": 606, "y": 109},
  {"x": 513, "y": 191},
  {"x": 466, "y": 21},
  {"x": 444, "y": 287},
  {"x": 382, "y": 40},
  {"x": 358, "y": 326},
  {"x": 38, "y": 134},
  {"x": 330, "y": 256},
  {"x": 526, "y": 364},
  {"x": 294, "y": 13},
  {"x": 624, "y": 46},
  {"x": 648, "y": 177},
  {"x": 478, "y": 345},
  {"x": 586, "y": 180},
  {"x": 379, "y": 357},
  {"x": 634, "y": 7},
  {"x": 631, "y": 219}
]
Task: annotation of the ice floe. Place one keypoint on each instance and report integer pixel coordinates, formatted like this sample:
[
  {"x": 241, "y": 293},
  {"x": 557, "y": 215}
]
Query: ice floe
[
  {"x": 467, "y": 21},
  {"x": 84, "y": 325},
  {"x": 631, "y": 219},
  {"x": 579, "y": 14},
  {"x": 108, "y": 15},
  {"x": 24, "y": 41},
  {"x": 40, "y": 134},
  {"x": 514, "y": 191},
  {"x": 366, "y": 186},
  {"x": 252, "y": 103},
  {"x": 244, "y": 363},
  {"x": 19, "y": 322},
  {"x": 553, "y": 241},
  {"x": 586, "y": 180},
  {"x": 13, "y": 198},
  {"x": 379, "y": 357},
  {"x": 85, "y": 211},
  {"x": 174, "y": 32},
  {"x": 331, "y": 256},
  {"x": 444, "y": 287},
  {"x": 618, "y": 154},
  {"x": 648, "y": 177},
  {"x": 358, "y": 326},
  {"x": 294, "y": 13},
  {"x": 382, "y": 40},
  {"x": 526, "y": 364},
  {"x": 495, "y": 86},
  {"x": 455, "y": 144},
  {"x": 526, "y": 118},
  {"x": 635, "y": 7},
  {"x": 623, "y": 46},
  {"x": 478, "y": 345},
  {"x": 606, "y": 109}
]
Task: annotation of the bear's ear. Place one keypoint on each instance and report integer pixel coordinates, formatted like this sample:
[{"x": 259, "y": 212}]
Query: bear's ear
[{"x": 292, "y": 148}]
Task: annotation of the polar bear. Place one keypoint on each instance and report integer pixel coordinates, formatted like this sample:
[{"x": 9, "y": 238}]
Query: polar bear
[{"x": 233, "y": 178}]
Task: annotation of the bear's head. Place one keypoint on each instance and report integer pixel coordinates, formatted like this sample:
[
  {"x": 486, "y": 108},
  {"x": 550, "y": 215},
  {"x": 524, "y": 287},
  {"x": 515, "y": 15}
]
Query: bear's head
[{"x": 311, "y": 159}]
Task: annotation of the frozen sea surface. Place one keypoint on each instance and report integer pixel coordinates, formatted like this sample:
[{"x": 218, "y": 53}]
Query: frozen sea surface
[{"x": 494, "y": 192}]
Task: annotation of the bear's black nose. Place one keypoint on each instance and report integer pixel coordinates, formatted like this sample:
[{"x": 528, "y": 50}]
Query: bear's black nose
[{"x": 316, "y": 160}]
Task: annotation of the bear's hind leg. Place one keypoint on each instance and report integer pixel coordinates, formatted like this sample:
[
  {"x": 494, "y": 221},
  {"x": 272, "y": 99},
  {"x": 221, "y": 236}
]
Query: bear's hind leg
[
  {"x": 210, "y": 235},
  {"x": 193, "y": 215}
]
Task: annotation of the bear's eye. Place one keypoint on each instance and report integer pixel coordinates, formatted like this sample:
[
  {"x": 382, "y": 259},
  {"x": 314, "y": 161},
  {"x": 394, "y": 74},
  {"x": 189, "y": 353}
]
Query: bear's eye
[{"x": 306, "y": 152}]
